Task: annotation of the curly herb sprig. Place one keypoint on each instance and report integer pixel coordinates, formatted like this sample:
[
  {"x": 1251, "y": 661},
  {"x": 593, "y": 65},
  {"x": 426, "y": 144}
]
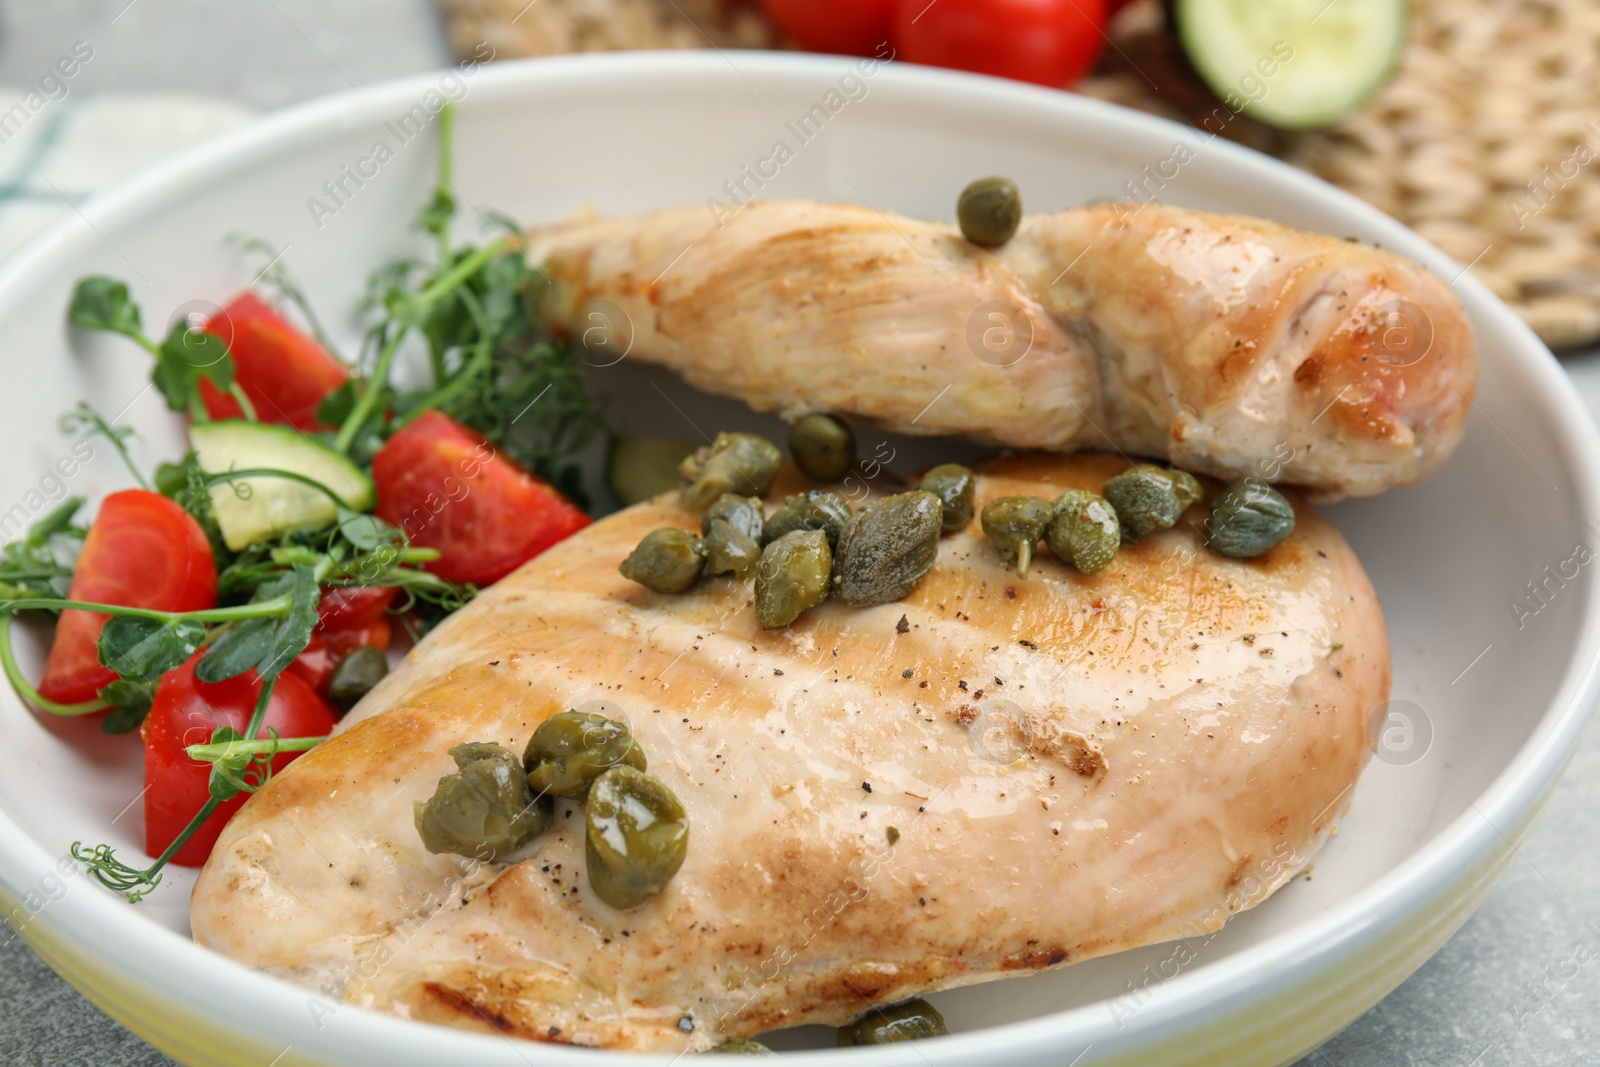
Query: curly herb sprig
[
  {"x": 490, "y": 358},
  {"x": 276, "y": 277},
  {"x": 85, "y": 417},
  {"x": 227, "y": 781}
]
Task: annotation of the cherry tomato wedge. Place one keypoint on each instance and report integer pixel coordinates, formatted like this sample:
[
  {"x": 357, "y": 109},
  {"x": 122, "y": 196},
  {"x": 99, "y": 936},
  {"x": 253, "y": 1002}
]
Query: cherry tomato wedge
[
  {"x": 143, "y": 551},
  {"x": 1049, "y": 42},
  {"x": 350, "y": 617},
  {"x": 284, "y": 373},
  {"x": 846, "y": 27},
  {"x": 315, "y": 665},
  {"x": 186, "y": 712},
  {"x": 447, "y": 488}
]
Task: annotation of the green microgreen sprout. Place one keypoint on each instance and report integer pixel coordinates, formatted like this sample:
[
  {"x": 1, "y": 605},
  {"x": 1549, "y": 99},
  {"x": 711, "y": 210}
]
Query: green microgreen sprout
[{"x": 185, "y": 358}]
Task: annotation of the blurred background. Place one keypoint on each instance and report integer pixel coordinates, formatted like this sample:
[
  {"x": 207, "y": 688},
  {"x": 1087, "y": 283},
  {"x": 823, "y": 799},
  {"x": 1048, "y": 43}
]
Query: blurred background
[{"x": 1477, "y": 122}]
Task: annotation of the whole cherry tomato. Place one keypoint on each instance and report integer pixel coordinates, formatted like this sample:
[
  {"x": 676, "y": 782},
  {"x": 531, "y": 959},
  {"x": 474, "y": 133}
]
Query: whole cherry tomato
[
  {"x": 847, "y": 27},
  {"x": 1049, "y": 42}
]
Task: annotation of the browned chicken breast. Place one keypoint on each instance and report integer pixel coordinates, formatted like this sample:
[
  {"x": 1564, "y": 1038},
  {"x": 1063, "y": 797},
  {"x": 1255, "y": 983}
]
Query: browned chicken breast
[
  {"x": 991, "y": 777},
  {"x": 1230, "y": 345}
]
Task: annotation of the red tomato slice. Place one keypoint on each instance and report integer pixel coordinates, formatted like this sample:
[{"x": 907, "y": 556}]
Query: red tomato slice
[
  {"x": 350, "y": 617},
  {"x": 143, "y": 551},
  {"x": 847, "y": 27},
  {"x": 186, "y": 712},
  {"x": 315, "y": 665},
  {"x": 284, "y": 373},
  {"x": 447, "y": 488},
  {"x": 1050, "y": 42},
  {"x": 355, "y": 615}
]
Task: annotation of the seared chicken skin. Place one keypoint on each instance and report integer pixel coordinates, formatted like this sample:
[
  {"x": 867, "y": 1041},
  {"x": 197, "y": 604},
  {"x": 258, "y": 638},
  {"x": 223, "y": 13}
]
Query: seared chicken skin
[
  {"x": 991, "y": 777},
  {"x": 1229, "y": 345}
]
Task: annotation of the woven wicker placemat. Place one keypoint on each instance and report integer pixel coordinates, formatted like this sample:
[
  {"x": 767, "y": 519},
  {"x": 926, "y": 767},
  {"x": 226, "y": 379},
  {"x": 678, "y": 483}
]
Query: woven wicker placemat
[{"x": 1487, "y": 141}]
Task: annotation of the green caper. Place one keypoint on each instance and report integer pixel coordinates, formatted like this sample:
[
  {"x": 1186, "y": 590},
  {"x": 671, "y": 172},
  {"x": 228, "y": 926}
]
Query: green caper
[
  {"x": 744, "y": 1047},
  {"x": 743, "y": 513},
  {"x": 1149, "y": 499},
  {"x": 1083, "y": 532},
  {"x": 730, "y": 550},
  {"x": 816, "y": 509},
  {"x": 910, "y": 1021},
  {"x": 668, "y": 560},
  {"x": 363, "y": 668},
  {"x": 823, "y": 447},
  {"x": 570, "y": 750},
  {"x": 957, "y": 491},
  {"x": 793, "y": 577},
  {"x": 1187, "y": 487},
  {"x": 733, "y": 463},
  {"x": 484, "y": 810},
  {"x": 637, "y": 836},
  {"x": 990, "y": 210},
  {"x": 1249, "y": 519},
  {"x": 1014, "y": 525},
  {"x": 888, "y": 547}
]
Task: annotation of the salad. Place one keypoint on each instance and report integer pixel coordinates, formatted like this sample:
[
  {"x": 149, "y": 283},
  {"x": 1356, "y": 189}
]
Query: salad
[{"x": 237, "y": 601}]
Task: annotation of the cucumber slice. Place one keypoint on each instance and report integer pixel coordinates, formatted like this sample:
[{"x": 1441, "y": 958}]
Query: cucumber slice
[
  {"x": 1295, "y": 64},
  {"x": 271, "y": 506},
  {"x": 643, "y": 467}
]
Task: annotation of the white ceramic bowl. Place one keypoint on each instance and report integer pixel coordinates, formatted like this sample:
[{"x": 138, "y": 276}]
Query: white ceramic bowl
[{"x": 1496, "y": 701}]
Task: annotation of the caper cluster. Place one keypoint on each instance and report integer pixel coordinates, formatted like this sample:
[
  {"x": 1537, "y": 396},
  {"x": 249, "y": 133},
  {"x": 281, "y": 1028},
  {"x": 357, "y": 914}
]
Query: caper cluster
[
  {"x": 636, "y": 833},
  {"x": 814, "y": 546},
  {"x": 1085, "y": 529},
  {"x": 734, "y": 463}
]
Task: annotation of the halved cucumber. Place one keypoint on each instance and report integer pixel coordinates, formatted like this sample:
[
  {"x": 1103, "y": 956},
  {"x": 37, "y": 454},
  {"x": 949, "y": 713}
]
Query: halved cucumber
[
  {"x": 643, "y": 467},
  {"x": 1296, "y": 64},
  {"x": 271, "y": 506}
]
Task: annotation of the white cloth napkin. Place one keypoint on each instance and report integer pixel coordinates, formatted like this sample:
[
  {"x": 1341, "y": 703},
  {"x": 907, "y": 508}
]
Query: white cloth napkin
[{"x": 55, "y": 152}]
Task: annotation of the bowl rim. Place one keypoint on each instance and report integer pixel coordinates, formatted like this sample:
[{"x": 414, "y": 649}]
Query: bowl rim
[{"x": 267, "y": 1009}]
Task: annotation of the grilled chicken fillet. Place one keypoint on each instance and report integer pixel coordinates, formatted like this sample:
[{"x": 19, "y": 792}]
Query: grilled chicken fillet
[
  {"x": 1230, "y": 345},
  {"x": 991, "y": 777}
]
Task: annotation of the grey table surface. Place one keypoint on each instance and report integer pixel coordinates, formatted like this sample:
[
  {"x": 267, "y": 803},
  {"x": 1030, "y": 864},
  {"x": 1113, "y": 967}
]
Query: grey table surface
[{"x": 1516, "y": 986}]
